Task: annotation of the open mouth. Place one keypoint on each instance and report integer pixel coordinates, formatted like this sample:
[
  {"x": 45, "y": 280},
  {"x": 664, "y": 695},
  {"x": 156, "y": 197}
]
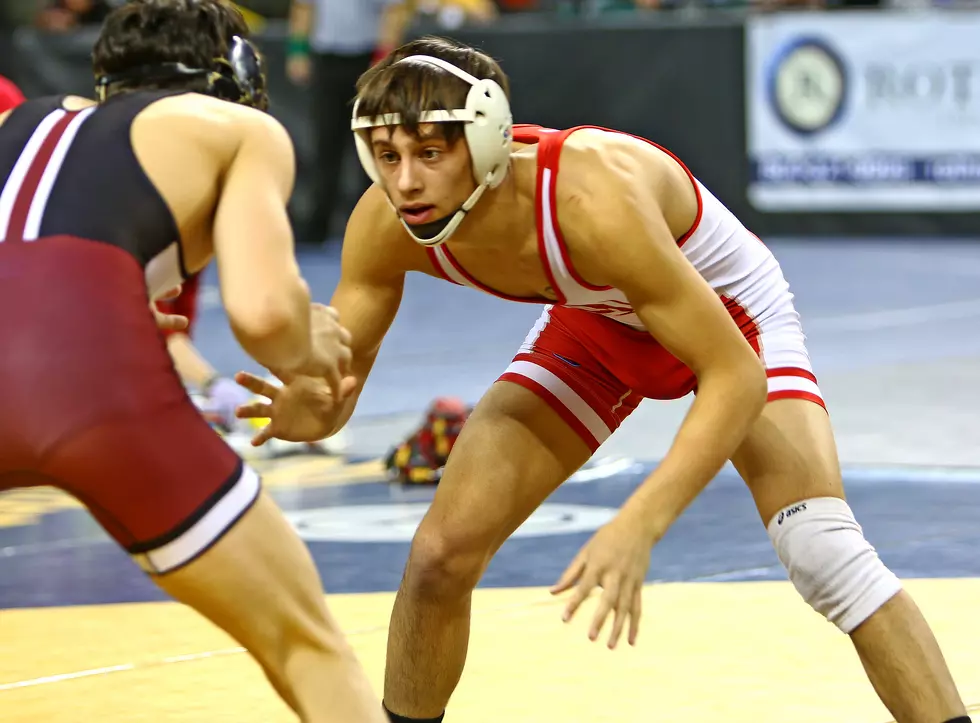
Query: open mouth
[{"x": 415, "y": 214}]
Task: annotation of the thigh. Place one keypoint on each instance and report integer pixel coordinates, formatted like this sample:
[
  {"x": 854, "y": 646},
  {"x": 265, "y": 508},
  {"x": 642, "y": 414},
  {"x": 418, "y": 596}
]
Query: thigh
[
  {"x": 789, "y": 455},
  {"x": 541, "y": 421},
  {"x": 258, "y": 582},
  {"x": 513, "y": 451},
  {"x": 155, "y": 475}
]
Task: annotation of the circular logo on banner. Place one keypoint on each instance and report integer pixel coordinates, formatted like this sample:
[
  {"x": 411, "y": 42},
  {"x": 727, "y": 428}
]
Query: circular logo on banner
[
  {"x": 398, "y": 522},
  {"x": 807, "y": 85}
]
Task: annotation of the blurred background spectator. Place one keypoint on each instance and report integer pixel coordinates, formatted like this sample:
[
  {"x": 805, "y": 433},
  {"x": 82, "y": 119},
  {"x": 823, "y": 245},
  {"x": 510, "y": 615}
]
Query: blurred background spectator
[
  {"x": 61, "y": 15},
  {"x": 331, "y": 42}
]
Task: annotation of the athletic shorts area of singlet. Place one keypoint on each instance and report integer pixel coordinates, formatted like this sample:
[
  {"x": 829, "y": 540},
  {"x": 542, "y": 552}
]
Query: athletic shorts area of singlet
[{"x": 92, "y": 404}]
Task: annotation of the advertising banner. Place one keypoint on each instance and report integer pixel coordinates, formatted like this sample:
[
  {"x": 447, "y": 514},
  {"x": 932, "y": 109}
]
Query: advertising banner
[{"x": 863, "y": 111}]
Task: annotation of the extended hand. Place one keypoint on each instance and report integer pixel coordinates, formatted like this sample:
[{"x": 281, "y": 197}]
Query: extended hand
[
  {"x": 616, "y": 559},
  {"x": 303, "y": 410}
]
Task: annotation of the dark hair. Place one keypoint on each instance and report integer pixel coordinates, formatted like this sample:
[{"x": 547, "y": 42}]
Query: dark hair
[
  {"x": 413, "y": 88},
  {"x": 153, "y": 32}
]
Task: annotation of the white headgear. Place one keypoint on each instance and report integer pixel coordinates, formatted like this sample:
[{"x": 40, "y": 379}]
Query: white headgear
[{"x": 488, "y": 123}]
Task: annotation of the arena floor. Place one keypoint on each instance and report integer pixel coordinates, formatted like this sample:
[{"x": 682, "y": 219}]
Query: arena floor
[{"x": 893, "y": 333}]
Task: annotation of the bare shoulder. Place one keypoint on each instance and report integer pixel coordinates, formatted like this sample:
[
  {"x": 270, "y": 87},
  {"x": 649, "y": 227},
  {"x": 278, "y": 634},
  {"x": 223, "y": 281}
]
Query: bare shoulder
[
  {"x": 77, "y": 102},
  {"x": 219, "y": 123},
  {"x": 610, "y": 180},
  {"x": 376, "y": 245},
  {"x": 602, "y": 177},
  {"x": 599, "y": 167}
]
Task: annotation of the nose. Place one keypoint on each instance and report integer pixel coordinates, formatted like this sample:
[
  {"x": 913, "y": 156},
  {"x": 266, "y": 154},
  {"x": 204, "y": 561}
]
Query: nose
[{"x": 409, "y": 180}]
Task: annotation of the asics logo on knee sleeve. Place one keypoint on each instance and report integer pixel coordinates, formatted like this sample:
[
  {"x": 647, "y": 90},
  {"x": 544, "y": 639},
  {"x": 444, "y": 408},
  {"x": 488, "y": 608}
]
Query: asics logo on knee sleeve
[
  {"x": 783, "y": 514},
  {"x": 830, "y": 563}
]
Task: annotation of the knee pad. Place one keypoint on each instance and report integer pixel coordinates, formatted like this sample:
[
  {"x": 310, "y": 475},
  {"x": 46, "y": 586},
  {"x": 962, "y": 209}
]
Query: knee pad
[{"x": 836, "y": 571}]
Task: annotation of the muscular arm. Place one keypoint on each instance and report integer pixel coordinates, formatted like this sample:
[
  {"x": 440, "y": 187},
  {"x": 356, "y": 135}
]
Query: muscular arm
[
  {"x": 265, "y": 297},
  {"x": 370, "y": 290},
  {"x": 618, "y": 203}
]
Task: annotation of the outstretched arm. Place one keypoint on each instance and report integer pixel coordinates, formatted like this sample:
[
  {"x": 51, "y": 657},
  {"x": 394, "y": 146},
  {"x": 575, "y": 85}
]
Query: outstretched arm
[
  {"x": 265, "y": 297},
  {"x": 685, "y": 315},
  {"x": 366, "y": 300},
  {"x": 617, "y": 203},
  {"x": 372, "y": 280}
]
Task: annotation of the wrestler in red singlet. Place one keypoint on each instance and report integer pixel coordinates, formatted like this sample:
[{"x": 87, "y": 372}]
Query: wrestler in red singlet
[{"x": 651, "y": 288}]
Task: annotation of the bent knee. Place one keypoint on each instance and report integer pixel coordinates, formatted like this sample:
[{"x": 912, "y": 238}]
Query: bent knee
[
  {"x": 830, "y": 563},
  {"x": 442, "y": 564}
]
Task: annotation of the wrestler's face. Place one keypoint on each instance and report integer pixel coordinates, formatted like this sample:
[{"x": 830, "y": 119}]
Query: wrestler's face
[{"x": 426, "y": 178}]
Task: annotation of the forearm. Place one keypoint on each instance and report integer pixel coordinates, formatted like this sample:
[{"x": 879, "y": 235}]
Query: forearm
[
  {"x": 277, "y": 334},
  {"x": 726, "y": 405},
  {"x": 192, "y": 368}
]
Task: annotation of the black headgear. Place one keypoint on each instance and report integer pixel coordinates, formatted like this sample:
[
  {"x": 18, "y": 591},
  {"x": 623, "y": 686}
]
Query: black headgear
[{"x": 239, "y": 77}]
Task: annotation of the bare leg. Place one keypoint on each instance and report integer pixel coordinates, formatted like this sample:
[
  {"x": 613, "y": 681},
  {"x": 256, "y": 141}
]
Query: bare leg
[
  {"x": 259, "y": 585},
  {"x": 513, "y": 452},
  {"x": 790, "y": 455}
]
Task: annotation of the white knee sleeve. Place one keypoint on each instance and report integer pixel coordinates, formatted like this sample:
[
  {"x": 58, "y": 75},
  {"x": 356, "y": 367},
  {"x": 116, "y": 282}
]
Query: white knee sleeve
[{"x": 830, "y": 563}]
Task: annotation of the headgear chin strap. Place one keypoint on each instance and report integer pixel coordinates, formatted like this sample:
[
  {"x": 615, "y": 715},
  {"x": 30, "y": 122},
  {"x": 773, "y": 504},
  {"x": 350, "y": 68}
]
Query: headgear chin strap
[
  {"x": 239, "y": 77},
  {"x": 487, "y": 126}
]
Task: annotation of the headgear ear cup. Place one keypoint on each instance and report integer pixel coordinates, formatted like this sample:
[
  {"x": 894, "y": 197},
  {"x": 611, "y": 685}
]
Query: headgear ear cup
[
  {"x": 488, "y": 132},
  {"x": 364, "y": 149},
  {"x": 240, "y": 76}
]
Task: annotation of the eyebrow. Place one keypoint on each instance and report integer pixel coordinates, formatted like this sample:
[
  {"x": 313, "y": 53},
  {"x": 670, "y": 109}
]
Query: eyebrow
[{"x": 420, "y": 139}]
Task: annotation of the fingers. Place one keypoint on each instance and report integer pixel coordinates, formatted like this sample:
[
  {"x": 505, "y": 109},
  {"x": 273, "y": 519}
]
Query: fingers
[
  {"x": 348, "y": 385},
  {"x": 334, "y": 379},
  {"x": 620, "y": 595},
  {"x": 345, "y": 358},
  {"x": 257, "y": 385},
  {"x": 170, "y": 294},
  {"x": 332, "y": 342},
  {"x": 624, "y": 610},
  {"x": 172, "y": 322},
  {"x": 608, "y": 601},
  {"x": 254, "y": 410},
  {"x": 586, "y": 583},
  {"x": 571, "y": 574},
  {"x": 635, "y": 613},
  {"x": 264, "y": 435},
  {"x": 324, "y": 309},
  {"x": 624, "y": 599}
]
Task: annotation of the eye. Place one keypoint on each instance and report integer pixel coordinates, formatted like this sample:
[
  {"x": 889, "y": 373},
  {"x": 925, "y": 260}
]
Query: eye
[
  {"x": 388, "y": 157},
  {"x": 431, "y": 154}
]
